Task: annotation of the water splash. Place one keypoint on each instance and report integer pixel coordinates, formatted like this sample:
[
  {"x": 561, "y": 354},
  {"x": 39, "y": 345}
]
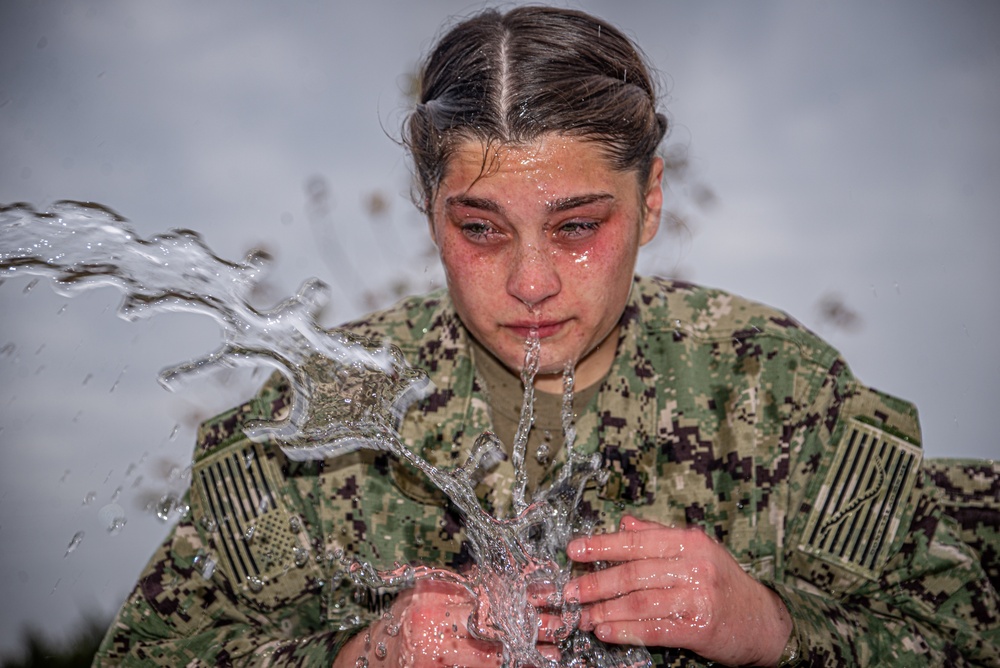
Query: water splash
[
  {"x": 74, "y": 543},
  {"x": 80, "y": 245},
  {"x": 348, "y": 393}
]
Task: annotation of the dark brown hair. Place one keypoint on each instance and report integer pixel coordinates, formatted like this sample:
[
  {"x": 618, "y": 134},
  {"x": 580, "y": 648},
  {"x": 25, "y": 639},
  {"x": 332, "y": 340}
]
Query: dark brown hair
[{"x": 510, "y": 77}]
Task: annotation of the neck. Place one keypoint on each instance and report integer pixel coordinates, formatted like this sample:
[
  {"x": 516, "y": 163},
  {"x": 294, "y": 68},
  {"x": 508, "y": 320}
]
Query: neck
[{"x": 591, "y": 369}]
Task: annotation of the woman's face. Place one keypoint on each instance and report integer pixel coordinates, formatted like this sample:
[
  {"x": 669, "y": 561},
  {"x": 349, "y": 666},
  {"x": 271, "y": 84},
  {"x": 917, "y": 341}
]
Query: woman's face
[{"x": 545, "y": 238}]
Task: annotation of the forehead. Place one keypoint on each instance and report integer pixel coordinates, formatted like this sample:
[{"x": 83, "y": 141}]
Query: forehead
[{"x": 550, "y": 162}]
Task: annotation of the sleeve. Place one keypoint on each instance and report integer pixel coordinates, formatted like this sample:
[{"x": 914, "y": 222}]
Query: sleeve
[
  {"x": 181, "y": 614},
  {"x": 875, "y": 574},
  {"x": 243, "y": 579}
]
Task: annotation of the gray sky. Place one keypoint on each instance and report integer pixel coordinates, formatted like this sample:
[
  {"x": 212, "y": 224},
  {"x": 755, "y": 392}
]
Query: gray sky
[{"x": 852, "y": 148}]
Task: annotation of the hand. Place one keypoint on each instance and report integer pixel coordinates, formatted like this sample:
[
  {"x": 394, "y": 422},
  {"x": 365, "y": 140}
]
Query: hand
[
  {"x": 427, "y": 625},
  {"x": 677, "y": 588}
]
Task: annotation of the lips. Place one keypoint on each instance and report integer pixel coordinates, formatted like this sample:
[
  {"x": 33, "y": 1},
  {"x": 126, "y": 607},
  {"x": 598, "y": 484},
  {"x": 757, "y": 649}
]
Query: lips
[{"x": 543, "y": 329}]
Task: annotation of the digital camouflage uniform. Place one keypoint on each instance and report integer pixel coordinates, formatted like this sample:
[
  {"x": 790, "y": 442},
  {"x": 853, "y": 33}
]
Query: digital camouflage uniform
[{"x": 718, "y": 413}]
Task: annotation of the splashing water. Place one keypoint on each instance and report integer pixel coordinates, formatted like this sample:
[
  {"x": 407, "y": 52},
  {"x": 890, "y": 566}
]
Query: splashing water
[{"x": 348, "y": 392}]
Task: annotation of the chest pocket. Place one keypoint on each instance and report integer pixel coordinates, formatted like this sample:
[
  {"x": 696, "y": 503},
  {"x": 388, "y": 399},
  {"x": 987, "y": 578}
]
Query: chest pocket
[{"x": 262, "y": 548}]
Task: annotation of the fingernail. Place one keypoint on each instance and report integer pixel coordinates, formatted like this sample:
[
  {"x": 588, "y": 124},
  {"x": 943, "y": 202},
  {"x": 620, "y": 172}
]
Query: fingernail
[{"x": 575, "y": 548}]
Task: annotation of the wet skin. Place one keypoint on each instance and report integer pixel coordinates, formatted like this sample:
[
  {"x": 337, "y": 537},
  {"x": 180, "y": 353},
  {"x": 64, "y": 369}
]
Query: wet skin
[
  {"x": 673, "y": 587},
  {"x": 544, "y": 237}
]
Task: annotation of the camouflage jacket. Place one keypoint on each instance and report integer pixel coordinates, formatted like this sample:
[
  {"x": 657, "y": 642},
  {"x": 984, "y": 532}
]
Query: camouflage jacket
[{"x": 717, "y": 413}]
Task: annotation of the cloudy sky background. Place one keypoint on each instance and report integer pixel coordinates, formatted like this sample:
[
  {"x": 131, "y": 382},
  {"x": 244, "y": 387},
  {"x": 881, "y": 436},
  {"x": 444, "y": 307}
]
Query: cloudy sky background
[{"x": 852, "y": 148}]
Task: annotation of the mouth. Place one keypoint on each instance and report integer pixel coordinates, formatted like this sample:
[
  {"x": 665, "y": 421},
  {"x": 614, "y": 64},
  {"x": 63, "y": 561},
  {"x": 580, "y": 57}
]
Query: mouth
[{"x": 542, "y": 330}]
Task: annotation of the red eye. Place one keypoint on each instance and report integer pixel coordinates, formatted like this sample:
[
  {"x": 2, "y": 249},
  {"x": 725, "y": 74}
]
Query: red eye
[
  {"x": 578, "y": 229},
  {"x": 479, "y": 230}
]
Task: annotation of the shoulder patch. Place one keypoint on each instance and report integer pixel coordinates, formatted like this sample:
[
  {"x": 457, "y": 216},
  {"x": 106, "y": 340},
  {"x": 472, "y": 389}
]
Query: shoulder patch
[
  {"x": 261, "y": 548},
  {"x": 857, "y": 511}
]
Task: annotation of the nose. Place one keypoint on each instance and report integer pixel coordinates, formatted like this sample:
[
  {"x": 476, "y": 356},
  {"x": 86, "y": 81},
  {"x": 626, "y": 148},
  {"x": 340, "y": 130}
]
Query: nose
[{"x": 532, "y": 276}]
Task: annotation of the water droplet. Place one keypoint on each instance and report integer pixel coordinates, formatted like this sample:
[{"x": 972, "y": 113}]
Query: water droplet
[
  {"x": 74, "y": 543},
  {"x": 173, "y": 432},
  {"x": 165, "y": 506},
  {"x": 255, "y": 583},
  {"x": 295, "y": 524},
  {"x": 89, "y": 499},
  {"x": 112, "y": 516},
  {"x": 62, "y": 309},
  {"x": 117, "y": 524},
  {"x": 380, "y": 650},
  {"x": 8, "y": 350},
  {"x": 542, "y": 454},
  {"x": 206, "y": 566},
  {"x": 86, "y": 379},
  {"x": 248, "y": 459},
  {"x": 40, "y": 349},
  {"x": 114, "y": 386},
  {"x": 31, "y": 284},
  {"x": 209, "y": 524},
  {"x": 301, "y": 556},
  {"x": 248, "y": 535},
  {"x": 116, "y": 493},
  {"x": 362, "y": 662}
]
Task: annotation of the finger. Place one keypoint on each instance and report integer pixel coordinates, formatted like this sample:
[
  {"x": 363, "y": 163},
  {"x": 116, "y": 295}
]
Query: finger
[
  {"x": 541, "y": 594},
  {"x": 550, "y": 652},
  {"x": 552, "y": 628},
  {"x": 678, "y": 607},
  {"x": 663, "y": 543},
  {"x": 474, "y": 654},
  {"x": 650, "y": 632},
  {"x": 627, "y": 577}
]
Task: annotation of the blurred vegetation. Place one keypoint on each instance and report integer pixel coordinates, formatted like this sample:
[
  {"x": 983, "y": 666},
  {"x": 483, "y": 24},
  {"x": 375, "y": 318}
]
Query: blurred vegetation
[{"x": 37, "y": 649}]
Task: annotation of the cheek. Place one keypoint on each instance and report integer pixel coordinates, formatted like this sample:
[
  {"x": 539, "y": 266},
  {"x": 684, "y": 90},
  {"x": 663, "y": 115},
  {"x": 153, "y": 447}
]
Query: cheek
[
  {"x": 474, "y": 278},
  {"x": 602, "y": 265}
]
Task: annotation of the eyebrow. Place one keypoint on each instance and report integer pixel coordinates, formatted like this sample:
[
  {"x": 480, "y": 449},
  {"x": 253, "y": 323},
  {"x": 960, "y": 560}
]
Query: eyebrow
[{"x": 556, "y": 206}]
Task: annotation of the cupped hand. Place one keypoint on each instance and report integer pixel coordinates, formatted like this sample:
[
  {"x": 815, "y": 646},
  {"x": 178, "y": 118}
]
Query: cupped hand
[
  {"x": 673, "y": 587},
  {"x": 426, "y": 626}
]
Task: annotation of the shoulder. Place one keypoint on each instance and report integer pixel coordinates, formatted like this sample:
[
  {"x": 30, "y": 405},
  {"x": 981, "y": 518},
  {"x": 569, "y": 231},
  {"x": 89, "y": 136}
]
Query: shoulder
[
  {"x": 411, "y": 323},
  {"x": 705, "y": 315},
  {"x": 406, "y": 320}
]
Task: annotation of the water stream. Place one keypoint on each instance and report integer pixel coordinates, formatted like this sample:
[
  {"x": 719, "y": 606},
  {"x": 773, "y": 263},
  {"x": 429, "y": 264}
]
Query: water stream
[{"x": 80, "y": 246}]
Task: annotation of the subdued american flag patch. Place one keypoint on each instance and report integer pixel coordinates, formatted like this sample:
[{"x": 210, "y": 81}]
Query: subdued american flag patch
[
  {"x": 256, "y": 539},
  {"x": 857, "y": 511}
]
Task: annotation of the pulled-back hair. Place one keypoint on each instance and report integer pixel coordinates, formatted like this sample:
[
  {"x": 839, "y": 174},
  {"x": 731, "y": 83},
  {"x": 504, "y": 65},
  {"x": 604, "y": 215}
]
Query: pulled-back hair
[{"x": 511, "y": 77}]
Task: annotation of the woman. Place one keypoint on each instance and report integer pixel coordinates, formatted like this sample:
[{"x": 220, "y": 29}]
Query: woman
[{"x": 762, "y": 506}]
